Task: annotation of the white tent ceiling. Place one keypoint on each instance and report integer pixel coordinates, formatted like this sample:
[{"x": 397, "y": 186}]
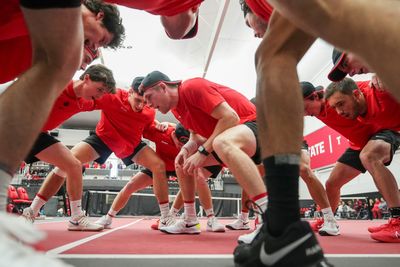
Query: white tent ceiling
[{"x": 222, "y": 51}]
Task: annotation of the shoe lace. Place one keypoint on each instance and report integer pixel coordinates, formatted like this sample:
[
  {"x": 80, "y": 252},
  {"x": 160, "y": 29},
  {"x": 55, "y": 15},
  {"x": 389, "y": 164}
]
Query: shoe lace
[
  {"x": 84, "y": 221},
  {"x": 253, "y": 206}
]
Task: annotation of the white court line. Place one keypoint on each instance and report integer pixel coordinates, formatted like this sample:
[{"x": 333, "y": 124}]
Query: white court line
[
  {"x": 202, "y": 256},
  {"x": 66, "y": 247}
]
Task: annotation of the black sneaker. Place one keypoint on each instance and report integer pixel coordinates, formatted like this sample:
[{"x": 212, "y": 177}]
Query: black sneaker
[{"x": 296, "y": 247}]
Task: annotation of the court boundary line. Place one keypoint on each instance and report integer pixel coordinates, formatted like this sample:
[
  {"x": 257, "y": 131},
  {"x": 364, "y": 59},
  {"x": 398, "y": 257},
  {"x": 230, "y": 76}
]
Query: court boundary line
[
  {"x": 79, "y": 242},
  {"x": 201, "y": 256}
]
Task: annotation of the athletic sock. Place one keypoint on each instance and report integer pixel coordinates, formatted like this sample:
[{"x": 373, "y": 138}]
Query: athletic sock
[
  {"x": 37, "y": 203},
  {"x": 5, "y": 179},
  {"x": 244, "y": 216},
  {"x": 164, "y": 209},
  {"x": 282, "y": 180},
  {"x": 190, "y": 211},
  {"x": 327, "y": 212},
  {"x": 111, "y": 213},
  {"x": 174, "y": 211},
  {"x": 76, "y": 208},
  {"x": 209, "y": 212},
  {"x": 260, "y": 201}
]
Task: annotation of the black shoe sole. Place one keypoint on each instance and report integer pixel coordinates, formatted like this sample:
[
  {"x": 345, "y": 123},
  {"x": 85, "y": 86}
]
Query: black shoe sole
[{"x": 320, "y": 263}]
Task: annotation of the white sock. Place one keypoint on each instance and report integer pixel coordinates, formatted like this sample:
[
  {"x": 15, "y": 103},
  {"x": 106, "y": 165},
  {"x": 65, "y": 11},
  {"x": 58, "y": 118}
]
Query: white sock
[
  {"x": 209, "y": 212},
  {"x": 111, "y": 213},
  {"x": 76, "y": 208},
  {"x": 164, "y": 209},
  {"x": 190, "y": 211},
  {"x": 327, "y": 212},
  {"x": 174, "y": 211},
  {"x": 244, "y": 216},
  {"x": 37, "y": 204},
  {"x": 5, "y": 179}
]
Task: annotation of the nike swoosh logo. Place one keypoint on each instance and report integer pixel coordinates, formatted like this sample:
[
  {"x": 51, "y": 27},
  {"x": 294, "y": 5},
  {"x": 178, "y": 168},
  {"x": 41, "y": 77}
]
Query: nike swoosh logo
[
  {"x": 397, "y": 235},
  {"x": 191, "y": 225},
  {"x": 74, "y": 223},
  {"x": 271, "y": 259}
]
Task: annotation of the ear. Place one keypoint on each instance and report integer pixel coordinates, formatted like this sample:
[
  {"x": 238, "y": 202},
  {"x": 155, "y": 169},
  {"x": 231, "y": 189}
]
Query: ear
[
  {"x": 100, "y": 15},
  {"x": 86, "y": 77}
]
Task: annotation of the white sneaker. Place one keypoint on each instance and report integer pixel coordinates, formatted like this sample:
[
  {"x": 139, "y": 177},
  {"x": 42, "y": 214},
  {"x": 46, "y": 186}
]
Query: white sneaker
[
  {"x": 182, "y": 227},
  {"x": 82, "y": 223},
  {"x": 166, "y": 221},
  {"x": 14, "y": 253},
  {"x": 27, "y": 213},
  {"x": 248, "y": 238},
  {"x": 105, "y": 221},
  {"x": 330, "y": 227},
  {"x": 239, "y": 224},
  {"x": 213, "y": 225}
]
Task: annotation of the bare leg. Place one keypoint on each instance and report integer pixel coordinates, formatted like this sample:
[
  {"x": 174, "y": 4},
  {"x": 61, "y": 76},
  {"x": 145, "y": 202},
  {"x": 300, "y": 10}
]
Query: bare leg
[
  {"x": 54, "y": 63},
  {"x": 315, "y": 187},
  {"x": 340, "y": 175},
  {"x": 373, "y": 156},
  {"x": 138, "y": 182}
]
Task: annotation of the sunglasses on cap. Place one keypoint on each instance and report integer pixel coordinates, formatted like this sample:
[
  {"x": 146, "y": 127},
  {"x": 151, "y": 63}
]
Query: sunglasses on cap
[{"x": 183, "y": 139}]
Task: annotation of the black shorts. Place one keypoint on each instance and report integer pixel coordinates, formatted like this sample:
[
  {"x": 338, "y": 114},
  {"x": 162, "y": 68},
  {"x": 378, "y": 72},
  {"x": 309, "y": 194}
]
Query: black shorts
[
  {"x": 257, "y": 155},
  {"x": 104, "y": 151},
  {"x": 149, "y": 173},
  {"x": 391, "y": 137},
  {"x": 42, "y": 142},
  {"x": 44, "y": 4},
  {"x": 351, "y": 157},
  {"x": 214, "y": 170}
]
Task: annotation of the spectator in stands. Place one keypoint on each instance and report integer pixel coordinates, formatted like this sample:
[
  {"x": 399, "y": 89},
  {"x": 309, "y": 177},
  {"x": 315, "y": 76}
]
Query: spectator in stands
[
  {"x": 383, "y": 206},
  {"x": 376, "y": 211}
]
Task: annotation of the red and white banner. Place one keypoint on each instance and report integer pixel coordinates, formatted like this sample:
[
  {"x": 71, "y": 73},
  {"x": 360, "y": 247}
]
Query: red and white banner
[{"x": 325, "y": 146}]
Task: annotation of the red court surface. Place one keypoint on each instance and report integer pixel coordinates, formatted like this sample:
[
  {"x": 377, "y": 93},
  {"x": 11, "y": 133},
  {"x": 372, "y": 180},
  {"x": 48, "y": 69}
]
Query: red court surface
[{"x": 133, "y": 236}]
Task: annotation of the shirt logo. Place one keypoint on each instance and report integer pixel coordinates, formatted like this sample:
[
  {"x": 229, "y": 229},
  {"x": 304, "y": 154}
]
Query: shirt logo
[{"x": 271, "y": 259}]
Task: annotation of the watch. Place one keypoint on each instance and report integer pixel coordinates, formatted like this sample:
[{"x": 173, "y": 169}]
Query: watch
[{"x": 203, "y": 151}]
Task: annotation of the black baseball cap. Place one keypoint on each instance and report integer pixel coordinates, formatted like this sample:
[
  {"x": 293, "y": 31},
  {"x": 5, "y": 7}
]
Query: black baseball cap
[
  {"x": 308, "y": 89},
  {"x": 181, "y": 132},
  {"x": 155, "y": 77},
  {"x": 193, "y": 32},
  {"x": 336, "y": 75}
]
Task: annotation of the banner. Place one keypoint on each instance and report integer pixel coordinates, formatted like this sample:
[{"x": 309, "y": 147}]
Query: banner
[{"x": 325, "y": 146}]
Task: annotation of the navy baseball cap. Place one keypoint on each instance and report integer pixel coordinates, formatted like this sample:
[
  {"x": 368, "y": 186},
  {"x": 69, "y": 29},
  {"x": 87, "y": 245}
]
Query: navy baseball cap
[
  {"x": 336, "y": 75},
  {"x": 308, "y": 89},
  {"x": 155, "y": 77}
]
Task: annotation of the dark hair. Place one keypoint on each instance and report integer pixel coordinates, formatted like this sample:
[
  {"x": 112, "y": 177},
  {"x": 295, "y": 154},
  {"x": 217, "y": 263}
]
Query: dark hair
[
  {"x": 345, "y": 86},
  {"x": 245, "y": 8},
  {"x": 135, "y": 85},
  {"x": 112, "y": 20},
  {"x": 100, "y": 73}
]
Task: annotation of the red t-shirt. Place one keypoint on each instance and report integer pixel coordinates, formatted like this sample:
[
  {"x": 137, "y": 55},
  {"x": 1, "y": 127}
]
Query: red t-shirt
[
  {"x": 383, "y": 110},
  {"x": 358, "y": 133},
  {"x": 261, "y": 8},
  {"x": 15, "y": 43},
  {"x": 198, "y": 98},
  {"x": 121, "y": 128},
  {"x": 67, "y": 105},
  {"x": 159, "y": 7},
  {"x": 165, "y": 146}
]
